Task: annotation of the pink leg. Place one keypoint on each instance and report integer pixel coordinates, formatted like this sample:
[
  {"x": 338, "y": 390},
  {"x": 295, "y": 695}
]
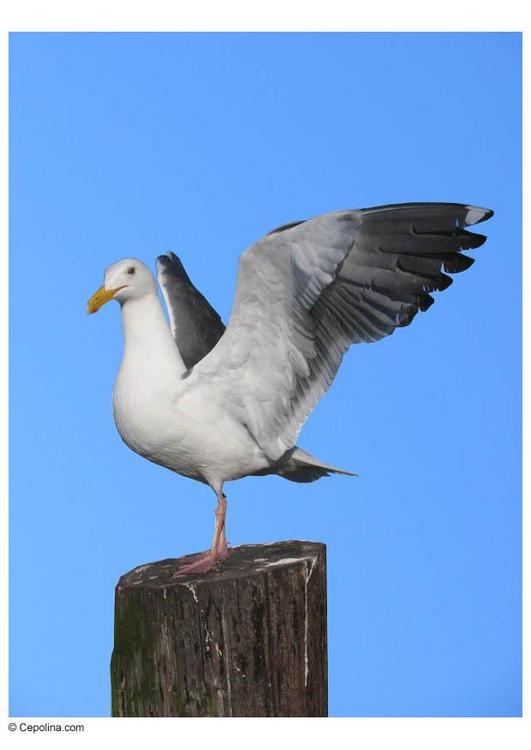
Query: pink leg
[
  {"x": 222, "y": 548},
  {"x": 217, "y": 552}
]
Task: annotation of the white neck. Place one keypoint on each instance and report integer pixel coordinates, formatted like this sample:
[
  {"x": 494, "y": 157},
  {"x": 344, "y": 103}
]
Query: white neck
[{"x": 148, "y": 344}]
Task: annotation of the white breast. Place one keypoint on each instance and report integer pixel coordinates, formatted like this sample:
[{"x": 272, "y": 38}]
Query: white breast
[{"x": 158, "y": 419}]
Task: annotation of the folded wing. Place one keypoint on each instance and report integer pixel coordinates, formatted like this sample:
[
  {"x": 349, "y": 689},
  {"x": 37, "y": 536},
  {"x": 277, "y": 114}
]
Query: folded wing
[{"x": 307, "y": 291}]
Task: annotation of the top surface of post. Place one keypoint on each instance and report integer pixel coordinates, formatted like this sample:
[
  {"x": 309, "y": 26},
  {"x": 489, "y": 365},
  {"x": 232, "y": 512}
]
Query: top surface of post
[{"x": 242, "y": 562}]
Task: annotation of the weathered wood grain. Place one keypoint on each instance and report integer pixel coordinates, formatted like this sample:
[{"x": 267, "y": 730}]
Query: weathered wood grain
[{"x": 248, "y": 639}]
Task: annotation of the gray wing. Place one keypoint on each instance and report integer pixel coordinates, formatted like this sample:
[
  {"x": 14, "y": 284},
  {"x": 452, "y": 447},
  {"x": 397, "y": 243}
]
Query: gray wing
[
  {"x": 195, "y": 325},
  {"x": 307, "y": 292}
]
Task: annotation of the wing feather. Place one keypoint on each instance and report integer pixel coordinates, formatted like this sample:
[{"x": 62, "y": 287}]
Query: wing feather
[
  {"x": 195, "y": 325},
  {"x": 307, "y": 291}
]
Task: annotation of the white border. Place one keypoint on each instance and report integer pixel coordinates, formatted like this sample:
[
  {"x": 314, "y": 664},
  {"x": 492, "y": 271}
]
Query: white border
[
  {"x": 280, "y": 15},
  {"x": 264, "y": 15}
]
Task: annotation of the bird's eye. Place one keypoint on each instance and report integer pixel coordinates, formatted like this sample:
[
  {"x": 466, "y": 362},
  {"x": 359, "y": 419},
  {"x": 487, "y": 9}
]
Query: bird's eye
[{"x": 131, "y": 270}]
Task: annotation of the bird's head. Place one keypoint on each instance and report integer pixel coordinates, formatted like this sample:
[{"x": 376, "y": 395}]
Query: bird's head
[{"x": 125, "y": 280}]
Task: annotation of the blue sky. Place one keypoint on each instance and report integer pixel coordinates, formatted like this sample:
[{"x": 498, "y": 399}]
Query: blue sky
[{"x": 134, "y": 144}]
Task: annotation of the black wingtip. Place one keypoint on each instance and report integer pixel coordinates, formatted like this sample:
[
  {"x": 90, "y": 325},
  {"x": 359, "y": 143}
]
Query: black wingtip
[
  {"x": 171, "y": 263},
  {"x": 476, "y": 214}
]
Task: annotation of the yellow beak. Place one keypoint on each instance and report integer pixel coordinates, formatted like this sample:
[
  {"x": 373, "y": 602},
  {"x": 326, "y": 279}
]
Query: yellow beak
[{"x": 100, "y": 297}]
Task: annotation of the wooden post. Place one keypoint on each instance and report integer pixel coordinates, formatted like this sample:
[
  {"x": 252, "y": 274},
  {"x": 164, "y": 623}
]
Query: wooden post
[{"x": 248, "y": 639}]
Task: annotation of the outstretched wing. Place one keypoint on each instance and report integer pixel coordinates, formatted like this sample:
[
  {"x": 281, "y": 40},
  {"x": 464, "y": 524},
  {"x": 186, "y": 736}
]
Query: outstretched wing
[
  {"x": 195, "y": 325},
  {"x": 307, "y": 292}
]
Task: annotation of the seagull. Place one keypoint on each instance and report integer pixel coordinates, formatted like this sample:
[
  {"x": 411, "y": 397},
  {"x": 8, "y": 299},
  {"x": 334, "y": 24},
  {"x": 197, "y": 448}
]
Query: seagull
[{"x": 217, "y": 404}]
